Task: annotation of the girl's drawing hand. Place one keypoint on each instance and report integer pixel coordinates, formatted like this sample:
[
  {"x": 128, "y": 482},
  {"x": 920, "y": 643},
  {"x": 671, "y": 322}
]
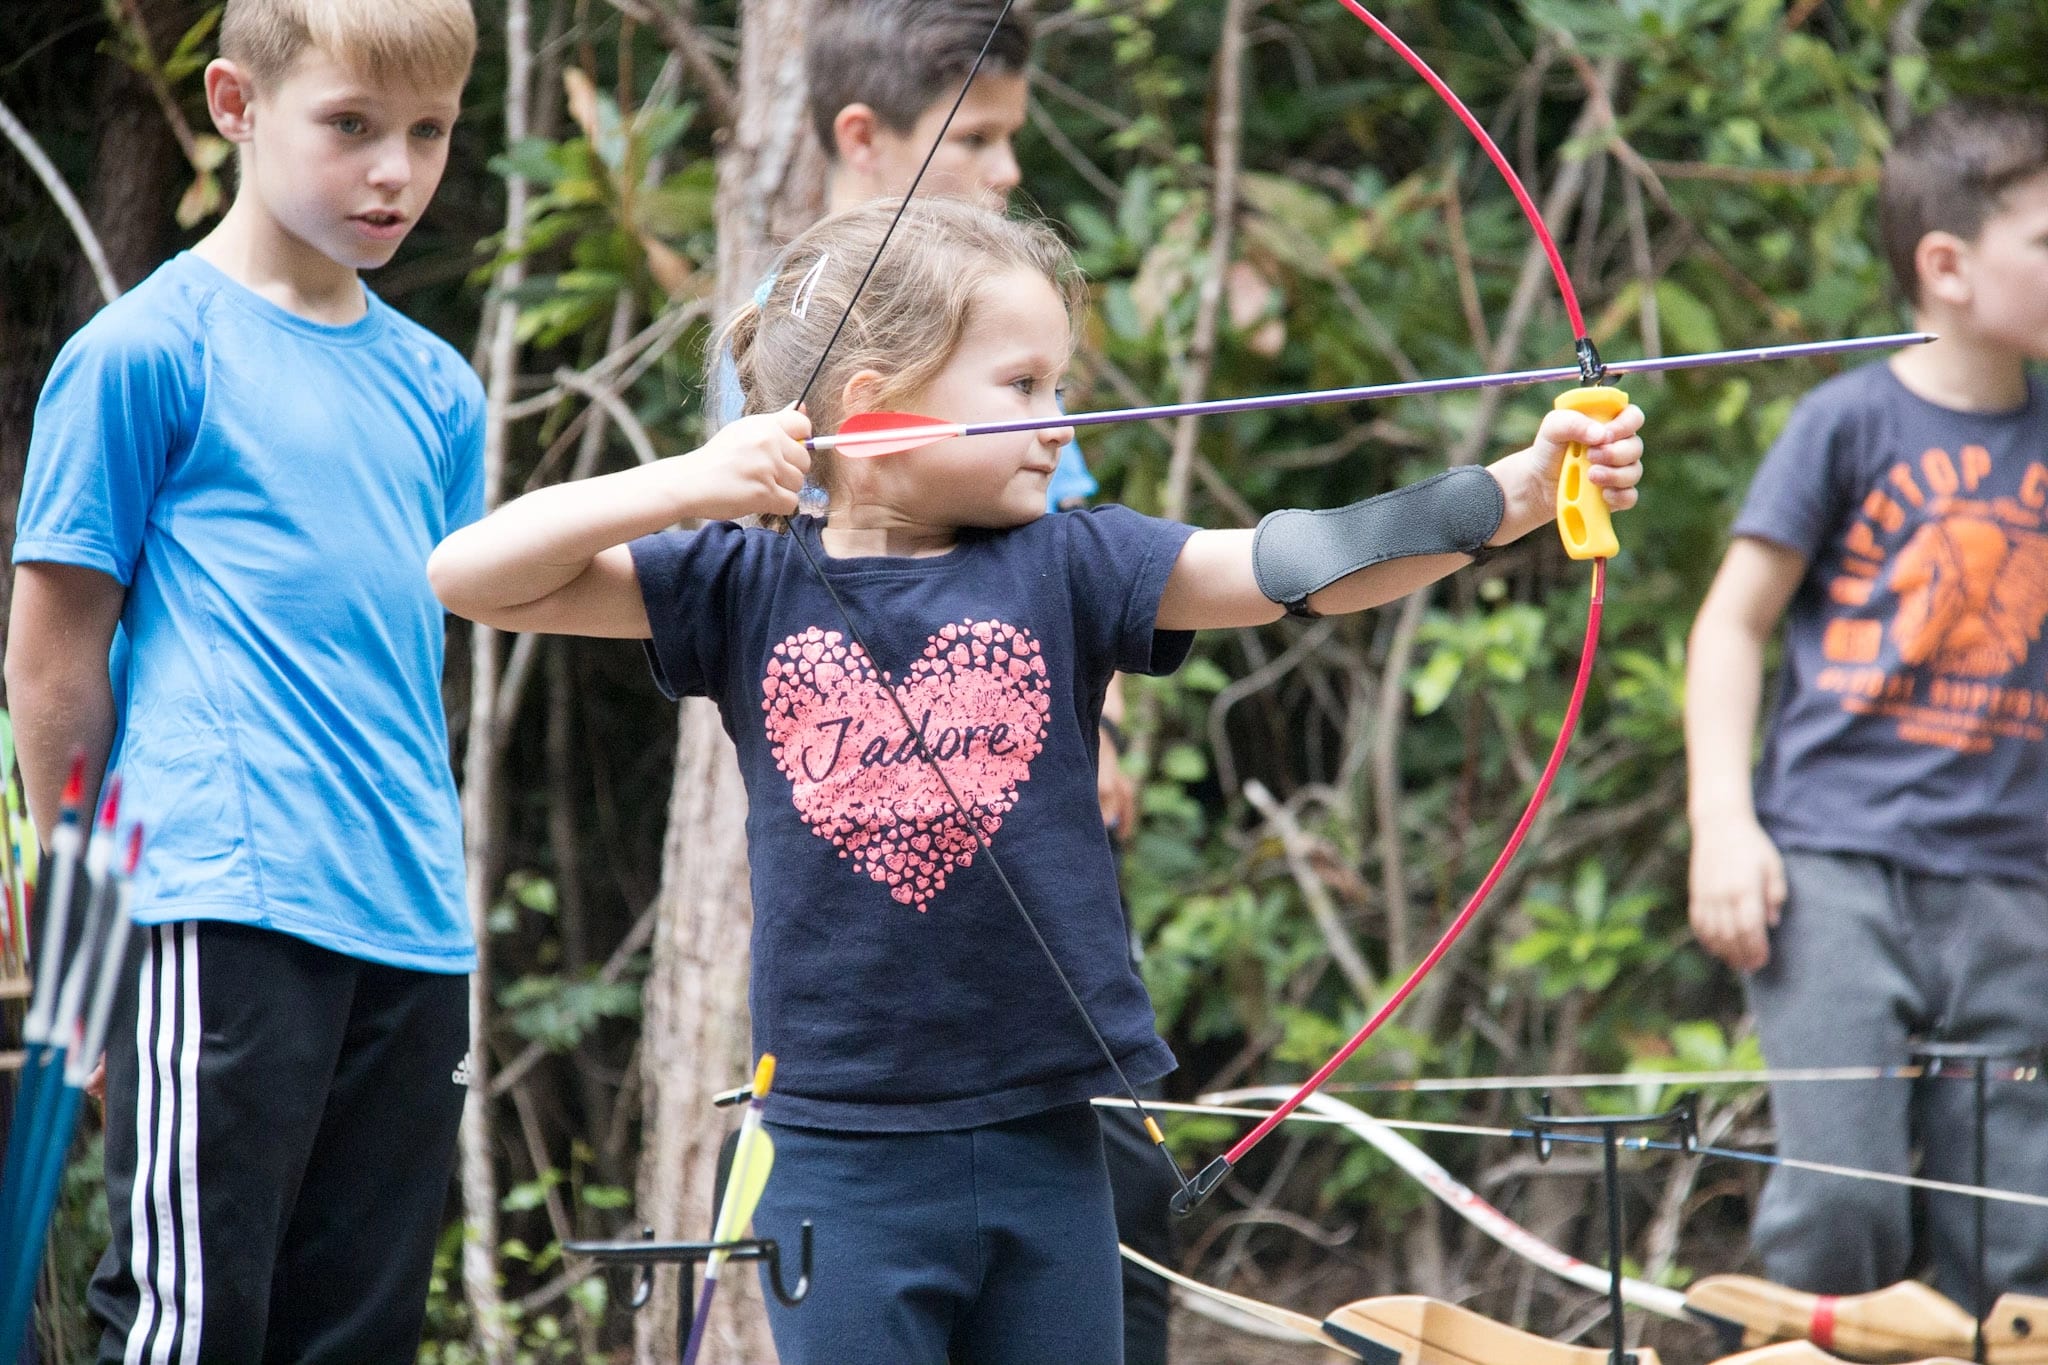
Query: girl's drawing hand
[{"x": 756, "y": 465}]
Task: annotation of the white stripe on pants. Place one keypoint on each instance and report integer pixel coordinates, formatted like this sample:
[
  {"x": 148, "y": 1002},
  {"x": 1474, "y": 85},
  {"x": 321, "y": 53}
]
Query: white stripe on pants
[{"x": 164, "y": 1254}]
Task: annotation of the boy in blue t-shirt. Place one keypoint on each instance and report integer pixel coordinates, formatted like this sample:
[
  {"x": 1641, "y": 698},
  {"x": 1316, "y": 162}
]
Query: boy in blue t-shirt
[
  {"x": 236, "y": 474},
  {"x": 1886, "y": 877}
]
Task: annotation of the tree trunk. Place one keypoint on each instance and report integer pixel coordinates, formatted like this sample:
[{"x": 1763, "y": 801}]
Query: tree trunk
[
  {"x": 127, "y": 200},
  {"x": 483, "y": 803},
  {"x": 770, "y": 185}
]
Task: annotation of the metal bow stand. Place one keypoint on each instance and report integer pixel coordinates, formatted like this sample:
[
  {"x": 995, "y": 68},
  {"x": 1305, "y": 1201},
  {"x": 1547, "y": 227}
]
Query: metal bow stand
[
  {"x": 1979, "y": 1064},
  {"x": 1680, "y": 1121},
  {"x": 646, "y": 1253}
]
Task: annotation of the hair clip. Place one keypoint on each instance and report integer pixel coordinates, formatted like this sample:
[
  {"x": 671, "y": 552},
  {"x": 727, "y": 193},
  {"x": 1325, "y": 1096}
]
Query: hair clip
[{"x": 807, "y": 286}]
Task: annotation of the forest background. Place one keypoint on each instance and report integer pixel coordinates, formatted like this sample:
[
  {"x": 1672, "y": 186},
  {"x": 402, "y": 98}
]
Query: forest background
[{"x": 1264, "y": 198}]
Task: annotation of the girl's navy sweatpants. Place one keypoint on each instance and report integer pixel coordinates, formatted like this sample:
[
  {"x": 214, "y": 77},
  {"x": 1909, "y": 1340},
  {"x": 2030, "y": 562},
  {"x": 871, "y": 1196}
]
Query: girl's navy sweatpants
[{"x": 982, "y": 1246}]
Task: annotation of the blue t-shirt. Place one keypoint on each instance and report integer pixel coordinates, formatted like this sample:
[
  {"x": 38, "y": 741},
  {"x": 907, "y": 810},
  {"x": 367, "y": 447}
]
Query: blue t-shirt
[
  {"x": 1913, "y": 704},
  {"x": 892, "y": 978},
  {"x": 1071, "y": 484},
  {"x": 268, "y": 490}
]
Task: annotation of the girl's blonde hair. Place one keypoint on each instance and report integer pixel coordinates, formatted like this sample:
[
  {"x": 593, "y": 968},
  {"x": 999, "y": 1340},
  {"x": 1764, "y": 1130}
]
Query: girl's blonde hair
[
  {"x": 907, "y": 322},
  {"x": 427, "y": 44}
]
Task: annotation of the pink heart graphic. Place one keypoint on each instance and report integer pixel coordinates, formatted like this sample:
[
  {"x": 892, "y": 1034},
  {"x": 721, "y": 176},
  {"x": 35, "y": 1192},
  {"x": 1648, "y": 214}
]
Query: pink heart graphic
[{"x": 979, "y": 698}]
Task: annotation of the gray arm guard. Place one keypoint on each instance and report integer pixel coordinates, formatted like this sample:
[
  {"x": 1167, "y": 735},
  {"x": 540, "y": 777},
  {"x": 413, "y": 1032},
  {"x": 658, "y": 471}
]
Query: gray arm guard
[{"x": 1296, "y": 553}]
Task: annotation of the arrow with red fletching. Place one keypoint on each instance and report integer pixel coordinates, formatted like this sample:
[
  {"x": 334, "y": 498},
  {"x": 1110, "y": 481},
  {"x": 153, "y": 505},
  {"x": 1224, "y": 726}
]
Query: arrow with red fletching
[{"x": 866, "y": 435}]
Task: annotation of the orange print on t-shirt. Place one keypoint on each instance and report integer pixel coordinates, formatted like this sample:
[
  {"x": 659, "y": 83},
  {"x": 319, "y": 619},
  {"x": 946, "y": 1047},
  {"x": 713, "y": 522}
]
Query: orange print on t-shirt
[
  {"x": 1972, "y": 592},
  {"x": 1962, "y": 602}
]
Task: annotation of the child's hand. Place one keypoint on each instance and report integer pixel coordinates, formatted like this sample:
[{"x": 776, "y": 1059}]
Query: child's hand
[
  {"x": 754, "y": 466},
  {"x": 1737, "y": 889},
  {"x": 1614, "y": 454},
  {"x": 1613, "y": 450}
]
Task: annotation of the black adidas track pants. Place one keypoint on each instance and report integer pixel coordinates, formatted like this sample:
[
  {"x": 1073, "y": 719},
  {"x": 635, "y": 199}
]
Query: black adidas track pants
[{"x": 281, "y": 1126}]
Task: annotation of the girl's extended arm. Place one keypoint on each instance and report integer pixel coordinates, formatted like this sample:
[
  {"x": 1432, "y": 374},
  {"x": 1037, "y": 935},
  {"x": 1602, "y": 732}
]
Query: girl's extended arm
[
  {"x": 1212, "y": 584},
  {"x": 556, "y": 560}
]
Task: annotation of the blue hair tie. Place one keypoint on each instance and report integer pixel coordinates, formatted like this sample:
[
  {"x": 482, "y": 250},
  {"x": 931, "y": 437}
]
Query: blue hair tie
[{"x": 765, "y": 288}]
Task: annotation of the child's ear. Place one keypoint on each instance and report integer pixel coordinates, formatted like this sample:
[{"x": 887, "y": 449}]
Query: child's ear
[
  {"x": 1939, "y": 263},
  {"x": 862, "y": 393},
  {"x": 231, "y": 99},
  {"x": 853, "y": 137}
]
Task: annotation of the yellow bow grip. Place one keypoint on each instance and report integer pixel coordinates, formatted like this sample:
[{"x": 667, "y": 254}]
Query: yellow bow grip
[{"x": 1582, "y": 517}]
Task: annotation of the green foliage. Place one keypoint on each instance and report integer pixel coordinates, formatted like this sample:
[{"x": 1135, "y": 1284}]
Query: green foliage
[
  {"x": 1496, "y": 646},
  {"x": 540, "y": 1337},
  {"x": 558, "y": 1013},
  {"x": 544, "y": 1335},
  {"x": 1584, "y": 938}
]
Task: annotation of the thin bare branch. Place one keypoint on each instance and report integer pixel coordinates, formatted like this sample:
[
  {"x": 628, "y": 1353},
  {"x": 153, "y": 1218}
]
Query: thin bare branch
[
  {"x": 1226, "y": 151},
  {"x": 537, "y": 1156},
  {"x": 67, "y": 203},
  {"x": 1461, "y": 262},
  {"x": 1250, "y": 685},
  {"x": 615, "y": 408},
  {"x": 1322, "y": 907},
  {"x": 1056, "y": 136},
  {"x": 482, "y": 799},
  {"x": 678, "y": 29},
  {"x": 1763, "y": 175}
]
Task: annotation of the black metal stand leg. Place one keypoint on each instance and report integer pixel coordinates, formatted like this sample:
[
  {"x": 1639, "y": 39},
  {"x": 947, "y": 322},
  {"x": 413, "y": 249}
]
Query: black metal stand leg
[
  {"x": 1611, "y": 1164},
  {"x": 686, "y": 1303},
  {"x": 1542, "y": 1128},
  {"x": 1981, "y": 1064}
]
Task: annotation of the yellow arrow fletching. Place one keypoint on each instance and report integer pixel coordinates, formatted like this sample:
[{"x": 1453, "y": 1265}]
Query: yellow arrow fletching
[
  {"x": 751, "y": 1163},
  {"x": 753, "y": 1158}
]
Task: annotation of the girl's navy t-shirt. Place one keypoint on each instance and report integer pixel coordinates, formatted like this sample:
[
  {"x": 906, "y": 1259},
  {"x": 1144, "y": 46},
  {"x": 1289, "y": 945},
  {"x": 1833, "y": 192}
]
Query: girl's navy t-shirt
[{"x": 892, "y": 977}]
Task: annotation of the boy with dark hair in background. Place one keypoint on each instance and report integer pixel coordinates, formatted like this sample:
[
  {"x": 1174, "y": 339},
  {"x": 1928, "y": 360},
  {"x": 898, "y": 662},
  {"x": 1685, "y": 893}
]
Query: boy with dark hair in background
[
  {"x": 1886, "y": 878},
  {"x": 882, "y": 76}
]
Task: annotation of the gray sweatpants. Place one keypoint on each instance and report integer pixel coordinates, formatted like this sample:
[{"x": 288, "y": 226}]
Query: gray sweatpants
[{"x": 1869, "y": 956}]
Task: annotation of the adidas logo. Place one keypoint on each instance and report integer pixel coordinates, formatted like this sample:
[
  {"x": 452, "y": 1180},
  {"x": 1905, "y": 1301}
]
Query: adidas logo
[{"x": 461, "y": 1073}]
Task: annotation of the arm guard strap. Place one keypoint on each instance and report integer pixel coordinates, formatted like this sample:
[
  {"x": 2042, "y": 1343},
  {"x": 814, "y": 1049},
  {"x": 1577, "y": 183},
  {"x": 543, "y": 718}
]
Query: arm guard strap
[{"x": 1296, "y": 553}]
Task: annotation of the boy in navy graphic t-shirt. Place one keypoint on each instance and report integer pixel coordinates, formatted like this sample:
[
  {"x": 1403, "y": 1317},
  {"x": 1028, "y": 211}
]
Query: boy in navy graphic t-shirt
[{"x": 1886, "y": 877}]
